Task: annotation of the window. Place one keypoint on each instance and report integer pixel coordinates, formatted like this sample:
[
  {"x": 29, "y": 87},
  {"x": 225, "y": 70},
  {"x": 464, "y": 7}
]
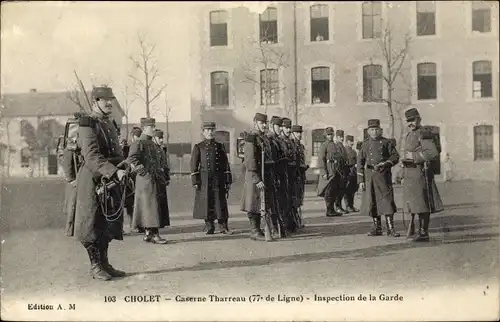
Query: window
[
  {"x": 372, "y": 83},
  {"x": 483, "y": 142},
  {"x": 319, "y": 22},
  {"x": 320, "y": 85},
  {"x": 25, "y": 157},
  {"x": 269, "y": 87},
  {"x": 225, "y": 138},
  {"x": 481, "y": 17},
  {"x": 426, "y": 18},
  {"x": 318, "y": 137},
  {"x": 219, "y": 85},
  {"x": 218, "y": 28},
  {"x": 482, "y": 79},
  {"x": 426, "y": 81},
  {"x": 372, "y": 19},
  {"x": 269, "y": 26}
]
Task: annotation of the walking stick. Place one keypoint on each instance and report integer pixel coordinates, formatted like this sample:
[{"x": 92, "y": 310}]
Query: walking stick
[{"x": 263, "y": 211}]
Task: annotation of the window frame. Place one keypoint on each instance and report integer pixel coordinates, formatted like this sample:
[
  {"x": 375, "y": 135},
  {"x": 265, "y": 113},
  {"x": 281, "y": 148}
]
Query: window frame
[
  {"x": 439, "y": 80},
  {"x": 313, "y": 136},
  {"x": 360, "y": 83},
  {"x": 381, "y": 99},
  {"x": 207, "y": 87},
  {"x": 437, "y": 26},
  {"x": 259, "y": 86},
  {"x": 211, "y": 89},
  {"x": 307, "y": 24},
  {"x": 493, "y": 18},
  {"x": 469, "y": 78},
  {"x": 474, "y": 152},
  {"x": 256, "y": 27},
  {"x": 278, "y": 36},
  {"x": 383, "y": 15},
  {"x": 210, "y": 27},
  {"x": 308, "y": 82},
  {"x": 206, "y": 30}
]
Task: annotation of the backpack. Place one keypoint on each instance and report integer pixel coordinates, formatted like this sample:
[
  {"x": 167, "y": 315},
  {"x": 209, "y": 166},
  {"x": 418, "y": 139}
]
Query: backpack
[{"x": 432, "y": 133}]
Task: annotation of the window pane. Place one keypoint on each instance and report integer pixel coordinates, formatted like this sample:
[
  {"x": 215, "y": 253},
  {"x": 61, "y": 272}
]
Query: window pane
[
  {"x": 482, "y": 67},
  {"x": 427, "y": 87},
  {"x": 270, "y": 14},
  {"x": 426, "y": 24},
  {"x": 218, "y": 17},
  {"x": 219, "y": 88},
  {"x": 319, "y": 29},
  {"x": 481, "y": 20},
  {"x": 426, "y": 6},
  {"x": 218, "y": 35},
  {"x": 367, "y": 27},
  {"x": 480, "y": 5},
  {"x": 320, "y": 73},
  {"x": 269, "y": 31},
  {"x": 483, "y": 142},
  {"x": 319, "y": 11},
  {"x": 426, "y": 69}
]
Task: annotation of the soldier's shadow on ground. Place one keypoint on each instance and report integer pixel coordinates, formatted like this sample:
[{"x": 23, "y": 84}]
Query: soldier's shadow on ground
[{"x": 351, "y": 254}]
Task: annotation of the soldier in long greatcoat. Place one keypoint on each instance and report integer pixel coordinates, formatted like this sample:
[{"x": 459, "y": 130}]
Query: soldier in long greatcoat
[
  {"x": 329, "y": 158},
  {"x": 129, "y": 201},
  {"x": 255, "y": 181},
  {"x": 290, "y": 156},
  {"x": 152, "y": 178},
  {"x": 343, "y": 172},
  {"x": 301, "y": 166},
  {"x": 352, "y": 175},
  {"x": 420, "y": 193},
  {"x": 70, "y": 167},
  {"x": 212, "y": 178},
  {"x": 101, "y": 152},
  {"x": 375, "y": 160}
]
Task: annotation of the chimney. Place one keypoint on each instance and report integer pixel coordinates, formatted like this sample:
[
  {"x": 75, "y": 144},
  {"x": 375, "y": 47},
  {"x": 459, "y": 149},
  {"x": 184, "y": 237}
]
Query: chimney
[{"x": 32, "y": 90}]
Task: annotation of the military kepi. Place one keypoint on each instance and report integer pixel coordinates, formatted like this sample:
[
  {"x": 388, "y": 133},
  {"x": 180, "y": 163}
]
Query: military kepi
[
  {"x": 411, "y": 114},
  {"x": 137, "y": 131},
  {"x": 276, "y": 120},
  {"x": 339, "y": 133},
  {"x": 158, "y": 133},
  {"x": 349, "y": 138},
  {"x": 209, "y": 125},
  {"x": 102, "y": 92},
  {"x": 373, "y": 123},
  {"x": 260, "y": 117},
  {"x": 145, "y": 121},
  {"x": 297, "y": 128},
  {"x": 287, "y": 123},
  {"x": 329, "y": 131}
]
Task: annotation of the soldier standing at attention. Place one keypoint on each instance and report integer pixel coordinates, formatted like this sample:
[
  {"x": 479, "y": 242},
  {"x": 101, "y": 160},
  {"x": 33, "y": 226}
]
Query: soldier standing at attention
[
  {"x": 352, "y": 176},
  {"x": 211, "y": 177},
  {"x": 301, "y": 167},
  {"x": 343, "y": 171},
  {"x": 290, "y": 156},
  {"x": 153, "y": 177},
  {"x": 379, "y": 155},
  {"x": 254, "y": 182},
  {"x": 420, "y": 192},
  {"x": 330, "y": 177},
  {"x": 101, "y": 153},
  {"x": 129, "y": 201}
]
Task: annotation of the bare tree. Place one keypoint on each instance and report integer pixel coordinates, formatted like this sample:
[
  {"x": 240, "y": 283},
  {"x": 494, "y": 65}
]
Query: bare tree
[
  {"x": 293, "y": 110},
  {"x": 75, "y": 97},
  {"x": 126, "y": 107},
  {"x": 272, "y": 60},
  {"x": 166, "y": 113},
  {"x": 394, "y": 54},
  {"x": 146, "y": 65}
]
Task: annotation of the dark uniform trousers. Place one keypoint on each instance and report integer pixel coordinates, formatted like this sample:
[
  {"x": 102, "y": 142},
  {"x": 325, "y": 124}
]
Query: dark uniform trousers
[{"x": 351, "y": 187}]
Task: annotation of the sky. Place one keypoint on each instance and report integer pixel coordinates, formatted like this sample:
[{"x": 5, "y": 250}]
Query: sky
[{"x": 42, "y": 43}]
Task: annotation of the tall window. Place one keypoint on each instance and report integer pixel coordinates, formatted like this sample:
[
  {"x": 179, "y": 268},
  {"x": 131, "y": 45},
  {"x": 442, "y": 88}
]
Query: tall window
[
  {"x": 483, "y": 142},
  {"x": 372, "y": 19},
  {"x": 481, "y": 17},
  {"x": 218, "y": 28},
  {"x": 219, "y": 85},
  {"x": 318, "y": 137},
  {"x": 319, "y": 22},
  {"x": 426, "y": 18},
  {"x": 225, "y": 138},
  {"x": 482, "y": 79},
  {"x": 269, "y": 87},
  {"x": 269, "y": 26},
  {"x": 372, "y": 83},
  {"x": 320, "y": 85},
  {"x": 427, "y": 81}
]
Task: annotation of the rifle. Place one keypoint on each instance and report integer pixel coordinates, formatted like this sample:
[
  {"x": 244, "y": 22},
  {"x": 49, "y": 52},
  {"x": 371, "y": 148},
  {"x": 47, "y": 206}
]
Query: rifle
[
  {"x": 263, "y": 211},
  {"x": 82, "y": 88}
]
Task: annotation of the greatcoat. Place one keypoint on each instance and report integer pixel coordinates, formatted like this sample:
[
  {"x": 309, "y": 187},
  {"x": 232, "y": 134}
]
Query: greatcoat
[
  {"x": 418, "y": 193},
  {"x": 101, "y": 152},
  {"x": 70, "y": 165},
  {"x": 211, "y": 172},
  {"x": 332, "y": 163},
  {"x": 378, "y": 198},
  {"x": 152, "y": 176}
]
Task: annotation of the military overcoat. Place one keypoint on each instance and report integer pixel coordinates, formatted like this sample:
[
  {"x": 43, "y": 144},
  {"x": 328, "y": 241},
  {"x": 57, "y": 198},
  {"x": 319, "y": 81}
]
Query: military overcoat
[
  {"x": 152, "y": 175},
  {"x": 101, "y": 152},
  {"x": 211, "y": 172},
  {"x": 378, "y": 198},
  {"x": 418, "y": 193},
  {"x": 331, "y": 162},
  {"x": 69, "y": 165}
]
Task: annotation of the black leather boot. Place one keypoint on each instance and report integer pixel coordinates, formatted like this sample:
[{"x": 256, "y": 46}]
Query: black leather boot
[
  {"x": 105, "y": 262},
  {"x": 377, "y": 227},
  {"x": 391, "y": 230},
  {"x": 210, "y": 227},
  {"x": 423, "y": 233},
  {"x": 255, "y": 227},
  {"x": 97, "y": 270},
  {"x": 224, "y": 227},
  {"x": 148, "y": 235}
]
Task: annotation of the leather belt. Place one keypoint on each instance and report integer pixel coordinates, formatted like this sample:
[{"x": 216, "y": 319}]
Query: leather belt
[
  {"x": 370, "y": 167},
  {"x": 410, "y": 165}
]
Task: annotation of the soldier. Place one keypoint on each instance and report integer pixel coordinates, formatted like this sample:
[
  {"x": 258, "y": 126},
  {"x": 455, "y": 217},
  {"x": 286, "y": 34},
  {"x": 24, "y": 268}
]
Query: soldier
[
  {"x": 71, "y": 164},
  {"x": 290, "y": 156},
  {"x": 330, "y": 177},
  {"x": 101, "y": 152},
  {"x": 279, "y": 206},
  {"x": 211, "y": 177},
  {"x": 379, "y": 155},
  {"x": 158, "y": 138},
  {"x": 255, "y": 183},
  {"x": 344, "y": 171},
  {"x": 152, "y": 178},
  {"x": 352, "y": 176},
  {"x": 135, "y": 134},
  {"x": 419, "y": 190},
  {"x": 301, "y": 167}
]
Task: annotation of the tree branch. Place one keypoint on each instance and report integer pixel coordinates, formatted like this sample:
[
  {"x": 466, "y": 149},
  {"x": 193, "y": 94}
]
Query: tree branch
[{"x": 158, "y": 93}]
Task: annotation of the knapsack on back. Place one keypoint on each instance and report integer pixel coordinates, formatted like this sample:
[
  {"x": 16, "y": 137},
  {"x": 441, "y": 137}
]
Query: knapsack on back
[{"x": 428, "y": 132}]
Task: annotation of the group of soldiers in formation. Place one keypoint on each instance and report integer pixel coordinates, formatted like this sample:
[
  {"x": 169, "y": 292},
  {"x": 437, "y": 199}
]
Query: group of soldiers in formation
[{"x": 99, "y": 171}]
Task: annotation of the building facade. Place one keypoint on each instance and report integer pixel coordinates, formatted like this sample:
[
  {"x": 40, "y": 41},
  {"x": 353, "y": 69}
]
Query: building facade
[{"x": 340, "y": 63}]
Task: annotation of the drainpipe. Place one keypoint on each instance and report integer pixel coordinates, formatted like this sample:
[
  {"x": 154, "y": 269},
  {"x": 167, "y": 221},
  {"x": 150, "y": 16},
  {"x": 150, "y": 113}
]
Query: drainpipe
[{"x": 295, "y": 61}]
